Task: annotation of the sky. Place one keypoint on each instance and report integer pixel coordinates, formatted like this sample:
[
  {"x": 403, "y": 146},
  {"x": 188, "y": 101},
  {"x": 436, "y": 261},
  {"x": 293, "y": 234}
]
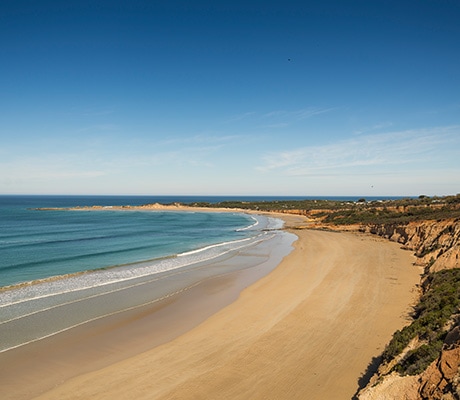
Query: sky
[{"x": 288, "y": 98}]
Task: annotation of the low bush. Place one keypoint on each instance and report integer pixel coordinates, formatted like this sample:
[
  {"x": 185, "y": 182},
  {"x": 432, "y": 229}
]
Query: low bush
[{"x": 439, "y": 303}]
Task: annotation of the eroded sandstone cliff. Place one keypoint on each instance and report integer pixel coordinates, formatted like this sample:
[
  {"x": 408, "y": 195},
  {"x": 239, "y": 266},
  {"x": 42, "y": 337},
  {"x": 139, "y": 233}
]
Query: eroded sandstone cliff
[
  {"x": 440, "y": 381},
  {"x": 436, "y": 245}
]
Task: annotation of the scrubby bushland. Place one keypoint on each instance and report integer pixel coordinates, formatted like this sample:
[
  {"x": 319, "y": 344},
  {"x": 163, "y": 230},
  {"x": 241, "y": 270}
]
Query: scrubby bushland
[
  {"x": 438, "y": 306},
  {"x": 276, "y": 205},
  {"x": 400, "y": 211},
  {"x": 378, "y": 215}
]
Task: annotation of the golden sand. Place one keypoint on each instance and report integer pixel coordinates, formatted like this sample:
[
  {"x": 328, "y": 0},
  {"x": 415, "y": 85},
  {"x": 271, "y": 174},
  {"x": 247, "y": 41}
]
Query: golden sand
[{"x": 308, "y": 330}]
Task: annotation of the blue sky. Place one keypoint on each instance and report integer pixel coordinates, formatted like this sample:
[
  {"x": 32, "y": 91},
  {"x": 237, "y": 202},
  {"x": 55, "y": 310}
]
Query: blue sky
[{"x": 230, "y": 98}]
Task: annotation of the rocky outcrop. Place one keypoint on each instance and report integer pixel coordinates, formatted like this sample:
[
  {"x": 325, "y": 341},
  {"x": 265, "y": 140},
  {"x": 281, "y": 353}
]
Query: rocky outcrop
[
  {"x": 392, "y": 386},
  {"x": 436, "y": 244},
  {"x": 440, "y": 381}
]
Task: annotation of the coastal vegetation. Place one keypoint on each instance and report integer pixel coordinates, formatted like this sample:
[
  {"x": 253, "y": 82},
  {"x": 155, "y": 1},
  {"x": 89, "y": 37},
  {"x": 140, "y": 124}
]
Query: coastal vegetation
[
  {"x": 335, "y": 212},
  {"x": 433, "y": 316},
  {"x": 430, "y": 227},
  {"x": 427, "y": 226}
]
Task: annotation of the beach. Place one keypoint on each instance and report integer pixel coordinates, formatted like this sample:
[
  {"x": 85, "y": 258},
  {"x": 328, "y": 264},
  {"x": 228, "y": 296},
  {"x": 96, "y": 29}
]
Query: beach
[{"x": 308, "y": 329}]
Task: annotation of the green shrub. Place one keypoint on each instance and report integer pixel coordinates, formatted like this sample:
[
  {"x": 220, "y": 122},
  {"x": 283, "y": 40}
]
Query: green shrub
[
  {"x": 419, "y": 359},
  {"x": 436, "y": 307}
]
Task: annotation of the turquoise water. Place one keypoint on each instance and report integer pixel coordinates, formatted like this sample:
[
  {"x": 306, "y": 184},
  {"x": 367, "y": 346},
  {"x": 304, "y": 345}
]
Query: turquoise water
[
  {"x": 65, "y": 269},
  {"x": 41, "y": 244}
]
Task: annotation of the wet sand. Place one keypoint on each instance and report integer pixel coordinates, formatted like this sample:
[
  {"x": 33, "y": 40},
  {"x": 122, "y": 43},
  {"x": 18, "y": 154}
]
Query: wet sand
[{"x": 308, "y": 330}]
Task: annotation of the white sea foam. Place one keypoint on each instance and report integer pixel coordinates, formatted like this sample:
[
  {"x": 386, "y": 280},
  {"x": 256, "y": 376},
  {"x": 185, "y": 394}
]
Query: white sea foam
[
  {"x": 252, "y": 226},
  {"x": 274, "y": 223},
  {"x": 122, "y": 279},
  {"x": 118, "y": 275},
  {"x": 23, "y": 308},
  {"x": 213, "y": 246},
  {"x": 51, "y": 306}
]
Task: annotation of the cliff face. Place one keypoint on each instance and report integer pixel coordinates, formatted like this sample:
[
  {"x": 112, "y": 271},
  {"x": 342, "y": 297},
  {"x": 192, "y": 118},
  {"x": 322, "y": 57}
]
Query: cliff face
[
  {"x": 440, "y": 381},
  {"x": 436, "y": 244}
]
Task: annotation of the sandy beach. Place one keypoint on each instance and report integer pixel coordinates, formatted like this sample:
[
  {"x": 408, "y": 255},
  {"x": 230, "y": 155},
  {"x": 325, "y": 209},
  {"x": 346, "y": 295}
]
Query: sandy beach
[{"x": 309, "y": 329}]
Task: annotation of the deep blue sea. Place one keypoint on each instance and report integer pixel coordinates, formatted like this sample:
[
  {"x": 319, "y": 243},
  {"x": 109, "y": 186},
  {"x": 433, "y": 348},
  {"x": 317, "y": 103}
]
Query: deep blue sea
[
  {"x": 41, "y": 244},
  {"x": 61, "y": 269}
]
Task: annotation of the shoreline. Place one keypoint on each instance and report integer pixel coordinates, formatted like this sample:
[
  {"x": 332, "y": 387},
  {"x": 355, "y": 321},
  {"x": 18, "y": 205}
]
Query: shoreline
[
  {"x": 295, "y": 219},
  {"x": 291, "y": 333},
  {"x": 70, "y": 275},
  {"x": 208, "y": 286}
]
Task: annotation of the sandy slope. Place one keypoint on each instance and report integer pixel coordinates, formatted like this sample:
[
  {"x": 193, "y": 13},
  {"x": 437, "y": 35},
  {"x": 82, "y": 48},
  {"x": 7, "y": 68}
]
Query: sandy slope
[{"x": 306, "y": 331}]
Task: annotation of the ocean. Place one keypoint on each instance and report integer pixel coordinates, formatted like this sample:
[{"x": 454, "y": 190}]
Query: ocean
[
  {"x": 60, "y": 269},
  {"x": 41, "y": 244}
]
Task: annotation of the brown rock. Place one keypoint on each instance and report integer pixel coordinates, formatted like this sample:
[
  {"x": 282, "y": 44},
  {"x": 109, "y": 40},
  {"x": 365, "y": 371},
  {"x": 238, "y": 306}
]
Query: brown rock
[
  {"x": 435, "y": 243},
  {"x": 392, "y": 386},
  {"x": 436, "y": 381}
]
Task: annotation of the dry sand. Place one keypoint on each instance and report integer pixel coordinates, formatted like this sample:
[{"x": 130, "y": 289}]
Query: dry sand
[{"x": 308, "y": 330}]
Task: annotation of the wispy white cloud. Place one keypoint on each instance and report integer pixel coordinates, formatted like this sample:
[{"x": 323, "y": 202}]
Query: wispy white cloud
[
  {"x": 49, "y": 168},
  {"x": 193, "y": 156},
  {"x": 376, "y": 127},
  {"x": 377, "y": 152},
  {"x": 97, "y": 113},
  {"x": 98, "y": 128},
  {"x": 93, "y": 111},
  {"x": 455, "y": 107},
  {"x": 240, "y": 117},
  {"x": 280, "y": 118},
  {"x": 298, "y": 114},
  {"x": 103, "y": 158},
  {"x": 200, "y": 139},
  {"x": 284, "y": 118},
  {"x": 278, "y": 125}
]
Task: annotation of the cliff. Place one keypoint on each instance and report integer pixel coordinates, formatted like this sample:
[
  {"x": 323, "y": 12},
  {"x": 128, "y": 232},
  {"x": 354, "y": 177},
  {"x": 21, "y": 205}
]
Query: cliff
[
  {"x": 436, "y": 245},
  {"x": 422, "y": 360},
  {"x": 440, "y": 381}
]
